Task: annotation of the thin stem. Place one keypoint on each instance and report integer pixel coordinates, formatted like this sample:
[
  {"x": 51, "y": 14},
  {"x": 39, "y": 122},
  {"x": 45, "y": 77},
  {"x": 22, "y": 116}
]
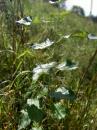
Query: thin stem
[{"x": 87, "y": 69}]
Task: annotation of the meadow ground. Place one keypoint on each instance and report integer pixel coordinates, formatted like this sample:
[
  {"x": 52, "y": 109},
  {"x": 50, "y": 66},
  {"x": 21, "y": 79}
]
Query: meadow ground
[{"x": 60, "y": 99}]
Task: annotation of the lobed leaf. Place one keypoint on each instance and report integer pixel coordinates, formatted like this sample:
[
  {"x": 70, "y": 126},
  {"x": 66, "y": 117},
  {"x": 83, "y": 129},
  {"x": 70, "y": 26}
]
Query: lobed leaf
[{"x": 63, "y": 93}]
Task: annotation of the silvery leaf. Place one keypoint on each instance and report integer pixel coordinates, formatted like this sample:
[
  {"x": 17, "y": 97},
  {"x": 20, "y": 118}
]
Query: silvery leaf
[
  {"x": 31, "y": 102},
  {"x": 63, "y": 93},
  {"x": 63, "y": 90},
  {"x": 67, "y": 36},
  {"x": 42, "y": 45},
  {"x": 59, "y": 111},
  {"x": 40, "y": 69},
  {"x": 67, "y": 65},
  {"x": 25, "y": 120},
  {"x": 25, "y": 21},
  {"x": 52, "y": 2},
  {"x": 92, "y": 37},
  {"x": 38, "y": 128}
]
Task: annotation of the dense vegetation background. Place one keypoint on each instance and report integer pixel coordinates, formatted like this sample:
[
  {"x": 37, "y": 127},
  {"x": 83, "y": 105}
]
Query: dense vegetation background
[{"x": 36, "y": 105}]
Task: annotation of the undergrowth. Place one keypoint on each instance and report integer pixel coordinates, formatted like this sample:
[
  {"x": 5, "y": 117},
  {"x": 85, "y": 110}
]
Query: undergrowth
[{"x": 38, "y": 105}]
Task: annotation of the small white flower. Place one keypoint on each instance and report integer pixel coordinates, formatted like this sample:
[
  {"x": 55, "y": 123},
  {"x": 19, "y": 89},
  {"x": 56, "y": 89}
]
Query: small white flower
[
  {"x": 43, "y": 45},
  {"x": 92, "y": 37},
  {"x": 25, "y": 21},
  {"x": 40, "y": 69}
]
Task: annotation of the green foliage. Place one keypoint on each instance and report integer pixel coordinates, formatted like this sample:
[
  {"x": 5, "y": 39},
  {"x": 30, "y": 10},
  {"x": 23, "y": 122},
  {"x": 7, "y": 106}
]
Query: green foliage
[
  {"x": 32, "y": 112},
  {"x": 25, "y": 120},
  {"x": 60, "y": 112},
  {"x": 62, "y": 99},
  {"x": 62, "y": 93}
]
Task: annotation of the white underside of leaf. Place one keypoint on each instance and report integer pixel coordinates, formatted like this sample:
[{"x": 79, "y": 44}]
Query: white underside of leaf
[
  {"x": 40, "y": 69},
  {"x": 42, "y": 45},
  {"x": 63, "y": 90}
]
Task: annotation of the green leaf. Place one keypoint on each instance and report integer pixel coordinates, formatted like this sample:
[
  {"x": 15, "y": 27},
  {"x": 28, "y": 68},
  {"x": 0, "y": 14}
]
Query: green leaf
[
  {"x": 80, "y": 34},
  {"x": 92, "y": 36},
  {"x": 60, "y": 111},
  {"x": 31, "y": 113},
  {"x": 36, "y": 20},
  {"x": 43, "y": 93},
  {"x": 76, "y": 34},
  {"x": 37, "y": 128},
  {"x": 33, "y": 102},
  {"x": 35, "y": 114},
  {"x": 63, "y": 93},
  {"x": 34, "y": 111},
  {"x": 67, "y": 65},
  {"x": 25, "y": 120}
]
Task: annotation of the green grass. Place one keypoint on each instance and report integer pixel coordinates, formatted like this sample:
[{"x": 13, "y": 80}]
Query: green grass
[{"x": 18, "y": 60}]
